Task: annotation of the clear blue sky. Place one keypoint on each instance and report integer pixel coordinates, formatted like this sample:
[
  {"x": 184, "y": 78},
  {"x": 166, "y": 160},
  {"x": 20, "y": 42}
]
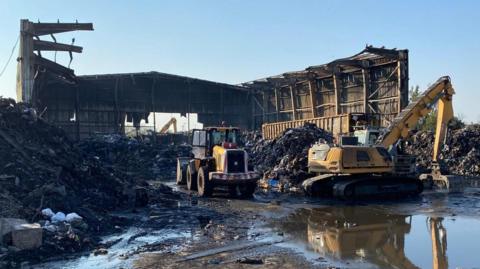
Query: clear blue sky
[{"x": 238, "y": 41}]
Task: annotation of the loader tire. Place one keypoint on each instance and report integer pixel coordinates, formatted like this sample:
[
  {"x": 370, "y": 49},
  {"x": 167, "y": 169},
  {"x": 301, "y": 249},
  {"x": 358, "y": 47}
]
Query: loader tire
[
  {"x": 232, "y": 191},
  {"x": 247, "y": 190},
  {"x": 204, "y": 185},
  {"x": 181, "y": 174},
  {"x": 191, "y": 179}
]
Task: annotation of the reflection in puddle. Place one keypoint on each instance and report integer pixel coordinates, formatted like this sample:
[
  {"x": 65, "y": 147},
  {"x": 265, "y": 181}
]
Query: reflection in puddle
[{"x": 365, "y": 237}]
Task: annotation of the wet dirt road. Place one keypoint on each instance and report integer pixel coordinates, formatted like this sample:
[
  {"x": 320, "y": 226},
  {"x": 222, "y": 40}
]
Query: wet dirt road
[{"x": 284, "y": 231}]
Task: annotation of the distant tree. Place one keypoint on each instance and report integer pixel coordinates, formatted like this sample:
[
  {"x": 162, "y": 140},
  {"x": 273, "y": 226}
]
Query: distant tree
[
  {"x": 429, "y": 122},
  {"x": 414, "y": 93},
  {"x": 425, "y": 123}
]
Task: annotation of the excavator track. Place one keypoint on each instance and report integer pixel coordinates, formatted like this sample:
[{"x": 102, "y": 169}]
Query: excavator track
[
  {"x": 376, "y": 186},
  {"x": 348, "y": 187}
]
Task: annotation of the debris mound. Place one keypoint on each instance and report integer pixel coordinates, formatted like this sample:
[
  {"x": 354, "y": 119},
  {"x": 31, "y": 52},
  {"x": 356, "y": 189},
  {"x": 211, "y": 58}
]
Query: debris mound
[
  {"x": 460, "y": 154},
  {"x": 128, "y": 156},
  {"x": 41, "y": 168},
  {"x": 285, "y": 158}
]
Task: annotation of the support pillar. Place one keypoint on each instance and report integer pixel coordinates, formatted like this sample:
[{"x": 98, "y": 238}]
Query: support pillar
[
  {"x": 292, "y": 98},
  {"x": 337, "y": 85},
  {"x": 313, "y": 100},
  {"x": 366, "y": 89},
  {"x": 277, "y": 104},
  {"x": 25, "y": 71}
]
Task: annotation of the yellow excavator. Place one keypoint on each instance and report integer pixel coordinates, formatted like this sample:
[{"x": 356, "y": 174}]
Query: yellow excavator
[{"x": 359, "y": 167}]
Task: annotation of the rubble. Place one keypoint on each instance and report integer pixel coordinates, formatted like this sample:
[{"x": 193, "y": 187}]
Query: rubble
[
  {"x": 43, "y": 172},
  {"x": 460, "y": 154},
  {"x": 285, "y": 158},
  {"x": 130, "y": 156},
  {"x": 50, "y": 169}
]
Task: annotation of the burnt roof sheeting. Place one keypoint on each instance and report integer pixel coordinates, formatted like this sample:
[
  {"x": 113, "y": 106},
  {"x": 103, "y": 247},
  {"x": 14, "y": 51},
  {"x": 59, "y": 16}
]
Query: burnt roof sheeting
[
  {"x": 160, "y": 76},
  {"x": 360, "y": 60}
]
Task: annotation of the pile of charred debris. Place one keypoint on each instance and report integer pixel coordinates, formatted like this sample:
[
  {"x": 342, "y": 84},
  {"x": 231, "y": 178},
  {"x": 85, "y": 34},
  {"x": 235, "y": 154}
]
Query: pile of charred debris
[
  {"x": 283, "y": 161},
  {"x": 460, "y": 154},
  {"x": 54, "y": 188}
]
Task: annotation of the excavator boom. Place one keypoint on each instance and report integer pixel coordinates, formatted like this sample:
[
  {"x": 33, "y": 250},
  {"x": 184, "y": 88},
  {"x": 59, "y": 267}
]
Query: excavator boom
[
  {"x": 167, "y": 125},
  {"x": 444, "y": 115},
  {"x": 441, "y": 91}
]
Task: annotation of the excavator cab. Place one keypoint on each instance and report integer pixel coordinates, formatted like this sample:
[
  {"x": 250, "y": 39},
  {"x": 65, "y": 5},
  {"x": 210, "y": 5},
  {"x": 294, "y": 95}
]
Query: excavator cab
[{"x": 367, "y": 137}]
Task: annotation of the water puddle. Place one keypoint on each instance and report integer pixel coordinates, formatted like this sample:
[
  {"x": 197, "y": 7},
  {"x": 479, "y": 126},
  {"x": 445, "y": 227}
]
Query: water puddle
[
  {"x": 370, "y": 237},
  {"x": 122, "y": 253}
]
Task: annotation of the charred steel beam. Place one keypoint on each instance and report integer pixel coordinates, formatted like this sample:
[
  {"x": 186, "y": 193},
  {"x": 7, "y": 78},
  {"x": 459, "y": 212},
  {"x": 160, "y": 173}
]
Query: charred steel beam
[
  {"x": 39, "y": 29},
  {"x": 53, "y": 46}
]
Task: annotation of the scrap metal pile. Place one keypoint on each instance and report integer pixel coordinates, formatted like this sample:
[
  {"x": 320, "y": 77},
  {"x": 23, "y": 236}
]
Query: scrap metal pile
[
  {"x": 41, "y": 168},
  {"x": 460, "y": 154},
  {"x": 285, "y": 158}
]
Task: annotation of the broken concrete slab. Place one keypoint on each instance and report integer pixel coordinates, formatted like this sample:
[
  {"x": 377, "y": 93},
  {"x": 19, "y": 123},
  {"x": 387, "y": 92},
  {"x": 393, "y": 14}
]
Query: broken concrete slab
[{"x": 27, "y": 236}]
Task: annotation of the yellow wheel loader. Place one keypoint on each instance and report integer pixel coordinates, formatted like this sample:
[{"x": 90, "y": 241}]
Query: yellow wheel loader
[
  {"x": 217, "y": 162},
  {"x": 361, "y": 168}
]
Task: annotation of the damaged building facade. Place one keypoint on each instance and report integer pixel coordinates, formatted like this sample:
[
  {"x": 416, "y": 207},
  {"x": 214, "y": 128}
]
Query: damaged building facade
[{"x": 371, "y": 86}]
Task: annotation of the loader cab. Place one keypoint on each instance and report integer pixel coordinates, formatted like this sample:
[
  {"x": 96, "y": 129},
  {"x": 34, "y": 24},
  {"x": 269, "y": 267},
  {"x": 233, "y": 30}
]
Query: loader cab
[
  {"x": 221, "y": 136},
  {"x": 203, "y": 140}
]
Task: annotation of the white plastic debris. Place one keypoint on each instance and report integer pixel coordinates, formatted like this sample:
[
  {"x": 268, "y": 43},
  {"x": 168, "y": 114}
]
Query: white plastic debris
[
  {"x": 58, "y": 217},
  {"x": 73, "y": 217},
  {"x": 50, "y": 227},
  {"x": 47, "y": 212}
]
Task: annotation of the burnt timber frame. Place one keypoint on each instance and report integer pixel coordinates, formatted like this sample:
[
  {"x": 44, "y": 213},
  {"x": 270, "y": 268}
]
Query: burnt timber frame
[
  {"x": 373, "y": 83},
  {"x": 31, "y": 64}
]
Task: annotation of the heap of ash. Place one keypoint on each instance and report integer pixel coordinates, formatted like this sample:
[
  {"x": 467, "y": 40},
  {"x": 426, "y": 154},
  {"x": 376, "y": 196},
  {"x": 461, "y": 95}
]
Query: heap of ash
[
  {"x": 460, "y": 154},
  {"x": 41, "y": 168},
  {"x": 285, "y": 158}
]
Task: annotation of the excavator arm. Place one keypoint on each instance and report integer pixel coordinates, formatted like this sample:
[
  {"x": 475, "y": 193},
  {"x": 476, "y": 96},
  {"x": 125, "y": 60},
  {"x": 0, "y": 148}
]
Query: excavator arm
[
  {"x": 444, "y": 115},
  {"x": 167, "y": 125},
  {"x": 440, "y": 92}
]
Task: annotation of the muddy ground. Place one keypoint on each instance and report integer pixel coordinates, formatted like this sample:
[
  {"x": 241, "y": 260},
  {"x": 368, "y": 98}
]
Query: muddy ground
[{"x": 275, "y": 230}]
